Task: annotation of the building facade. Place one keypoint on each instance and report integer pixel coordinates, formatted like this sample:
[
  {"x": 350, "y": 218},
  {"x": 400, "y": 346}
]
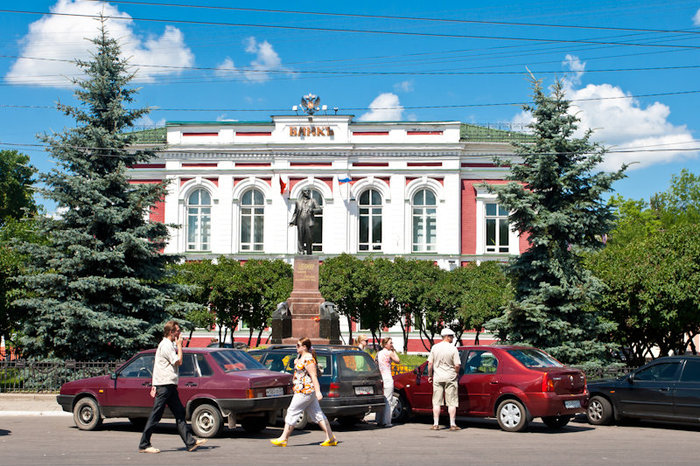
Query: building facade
[{"x": 407, "y": 188}]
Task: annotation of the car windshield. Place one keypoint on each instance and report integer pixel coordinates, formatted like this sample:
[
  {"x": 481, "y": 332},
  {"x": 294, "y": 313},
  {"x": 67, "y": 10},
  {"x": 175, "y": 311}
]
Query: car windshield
[
  {"x": 235, "y": 360},
  {"x": 534, "y": 358},
  {"x": 357, "y": 363}
]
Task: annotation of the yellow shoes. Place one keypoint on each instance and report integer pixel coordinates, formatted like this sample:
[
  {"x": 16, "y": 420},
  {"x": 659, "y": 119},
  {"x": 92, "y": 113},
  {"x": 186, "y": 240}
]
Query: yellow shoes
[
  {"x": 330, "y": 443},
  {"x": 279, "y": 443}
]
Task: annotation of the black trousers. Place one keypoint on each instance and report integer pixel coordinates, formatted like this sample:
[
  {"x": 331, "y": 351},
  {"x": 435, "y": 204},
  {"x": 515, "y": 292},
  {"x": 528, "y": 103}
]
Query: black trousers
[{"x": 166, "y": 395}]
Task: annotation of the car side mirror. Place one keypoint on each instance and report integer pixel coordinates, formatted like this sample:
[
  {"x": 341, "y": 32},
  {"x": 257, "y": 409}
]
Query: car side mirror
[
  {"x": 630, "y": 378},
  {"x": 113, "y": 376}
]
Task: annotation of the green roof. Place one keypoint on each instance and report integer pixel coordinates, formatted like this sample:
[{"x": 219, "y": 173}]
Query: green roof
[
  {"x": 150, "y": 136},
  {"x": 468, "y": 132}
]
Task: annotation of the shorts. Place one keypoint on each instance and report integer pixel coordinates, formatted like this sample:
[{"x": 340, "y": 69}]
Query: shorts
[
  {"x": 449, "y": 390},
  {"x": 304, "y": 402}
]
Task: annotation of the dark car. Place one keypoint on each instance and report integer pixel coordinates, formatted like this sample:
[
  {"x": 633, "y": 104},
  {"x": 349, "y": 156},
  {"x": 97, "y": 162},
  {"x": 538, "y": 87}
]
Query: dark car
[
  {"x": 514, "y": 384},
  {"x": 349, "y": 378},
  {"x": 666, "y": 389},
  {"x": 236, "y": 345},
  {"x": 214, "y": 384}
]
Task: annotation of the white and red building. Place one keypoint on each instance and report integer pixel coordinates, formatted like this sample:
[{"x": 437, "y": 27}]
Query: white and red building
[{"x": 406, "y": 188}]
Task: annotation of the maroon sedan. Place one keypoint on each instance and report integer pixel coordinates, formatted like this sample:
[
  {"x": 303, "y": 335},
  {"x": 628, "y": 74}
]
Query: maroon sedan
[
  {"x": 215, "y": 384},
  {"x": 511, "y": 383}
]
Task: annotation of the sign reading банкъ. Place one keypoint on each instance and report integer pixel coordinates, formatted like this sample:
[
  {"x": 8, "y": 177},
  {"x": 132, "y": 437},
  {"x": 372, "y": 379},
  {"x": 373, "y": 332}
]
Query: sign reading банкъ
[{"x": 310, "y": 131}]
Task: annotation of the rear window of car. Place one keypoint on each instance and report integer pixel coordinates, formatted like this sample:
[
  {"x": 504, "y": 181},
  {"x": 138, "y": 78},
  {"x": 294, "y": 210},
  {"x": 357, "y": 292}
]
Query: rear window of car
[
  {"x": 234, "y": 360},
  {"x": 356, "y": 363},
  {"x": 534, "y": 358}
]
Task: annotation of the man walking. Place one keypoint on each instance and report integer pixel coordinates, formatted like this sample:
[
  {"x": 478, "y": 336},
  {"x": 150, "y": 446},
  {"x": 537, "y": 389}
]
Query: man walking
[
  {"x": 443, "y": 369},
  {"x": 165, "y": 374}
]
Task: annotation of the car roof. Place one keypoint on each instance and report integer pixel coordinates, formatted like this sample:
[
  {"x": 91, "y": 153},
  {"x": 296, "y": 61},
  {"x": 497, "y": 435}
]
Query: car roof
[
  {"x": 196, "y": 350},
  {"x": 501, "y": 347},
  {"x": 316, "y": 347}
]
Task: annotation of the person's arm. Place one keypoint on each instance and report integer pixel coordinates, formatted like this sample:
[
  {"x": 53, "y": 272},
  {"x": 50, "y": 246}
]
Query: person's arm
[
  {"x": 394, "y": 357},
  {"x": 430, "y": 366},
  {"x": 178, "y": 343},
  {"x": 311, "y": 369}
]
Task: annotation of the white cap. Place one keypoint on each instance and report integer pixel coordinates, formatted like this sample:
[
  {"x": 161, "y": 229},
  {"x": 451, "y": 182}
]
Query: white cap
[{"x": 447, "y": 332}]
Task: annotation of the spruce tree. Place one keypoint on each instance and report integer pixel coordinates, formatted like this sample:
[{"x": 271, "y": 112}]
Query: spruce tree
[
  {"x": 555, "y": 198},
  {"x": 96, "y": 285}
]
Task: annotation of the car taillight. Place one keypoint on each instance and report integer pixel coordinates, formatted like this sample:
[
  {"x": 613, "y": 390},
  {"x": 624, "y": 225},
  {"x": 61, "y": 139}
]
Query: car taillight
[
  {"x": 250, "y": 393},
  {"x": 547, "y": 383},
  {"x": 333, "y": 390},
  {"x": 255, "y": 393}
]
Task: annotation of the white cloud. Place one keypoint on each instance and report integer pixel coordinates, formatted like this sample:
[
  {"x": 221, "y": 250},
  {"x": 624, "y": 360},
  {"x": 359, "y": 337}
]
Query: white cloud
[
  {"x": 147, "y": 122},
  {"x": 622, "y": 123},
  {"x": 696, "y": 18},
  {"x": 226, "y": 69},
  {"x": 576, "y": 66},
  {"x": 385, "y": 107},
  {"x": 404, "y": 86},
  {"x": 266, "y": 60},
  {"x": 64, "y": 38}
]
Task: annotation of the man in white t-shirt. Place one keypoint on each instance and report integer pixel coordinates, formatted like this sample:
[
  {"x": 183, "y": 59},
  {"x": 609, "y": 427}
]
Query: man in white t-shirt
[
  {"x": 165, "y": 375},
  {"x": 443, "y": 369}
]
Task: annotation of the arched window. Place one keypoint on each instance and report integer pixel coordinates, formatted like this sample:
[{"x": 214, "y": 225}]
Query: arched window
[
  {"x": 424, "y": 209},
  {"x": 199, "y": 221},
  {"x": 317, "y": 244},
  {"x": 370, "y": 220},
  {"x": 252, "y": 220}
]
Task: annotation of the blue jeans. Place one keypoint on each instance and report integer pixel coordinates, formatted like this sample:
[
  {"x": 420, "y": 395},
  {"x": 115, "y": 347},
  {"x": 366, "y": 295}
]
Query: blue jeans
[{"x": 167, "y": 395}]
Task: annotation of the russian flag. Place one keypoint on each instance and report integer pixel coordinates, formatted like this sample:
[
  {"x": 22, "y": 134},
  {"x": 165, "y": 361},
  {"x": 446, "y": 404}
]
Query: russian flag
[{"x": 345, "y": 179}]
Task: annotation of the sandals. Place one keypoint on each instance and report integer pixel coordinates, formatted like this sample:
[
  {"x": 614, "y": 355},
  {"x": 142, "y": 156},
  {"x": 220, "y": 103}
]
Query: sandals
[
  {"x": 330, "y": 442},
  {"x": 278, "y": 443},
  {"x": 435, "y": 428}
]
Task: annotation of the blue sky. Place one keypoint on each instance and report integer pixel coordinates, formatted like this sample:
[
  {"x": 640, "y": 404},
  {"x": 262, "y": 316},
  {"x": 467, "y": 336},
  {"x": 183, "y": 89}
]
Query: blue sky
[{"x": 209, "y": 64}]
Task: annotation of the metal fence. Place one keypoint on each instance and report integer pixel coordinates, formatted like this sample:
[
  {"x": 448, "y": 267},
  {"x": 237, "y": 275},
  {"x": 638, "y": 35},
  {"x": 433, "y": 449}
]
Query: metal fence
[{"x": 48, "y": 376}]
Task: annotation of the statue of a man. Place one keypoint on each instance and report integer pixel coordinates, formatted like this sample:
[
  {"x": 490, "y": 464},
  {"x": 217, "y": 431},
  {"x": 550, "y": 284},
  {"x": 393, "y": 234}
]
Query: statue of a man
[{"x": 303, "y": 217}]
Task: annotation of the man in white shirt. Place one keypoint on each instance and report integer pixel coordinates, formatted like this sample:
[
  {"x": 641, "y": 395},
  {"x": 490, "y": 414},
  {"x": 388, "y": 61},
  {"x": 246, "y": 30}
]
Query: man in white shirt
[
  {"x": 165, "y": 375},
  {"x": 443, "y": 369}
]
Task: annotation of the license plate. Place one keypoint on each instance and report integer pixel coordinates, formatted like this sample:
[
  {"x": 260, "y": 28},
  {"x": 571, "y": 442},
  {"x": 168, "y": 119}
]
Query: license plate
[
  {"x": 571, "y": 404},
  {"x": 369, "y": 390},
  {"x": 275, "y": 391}
]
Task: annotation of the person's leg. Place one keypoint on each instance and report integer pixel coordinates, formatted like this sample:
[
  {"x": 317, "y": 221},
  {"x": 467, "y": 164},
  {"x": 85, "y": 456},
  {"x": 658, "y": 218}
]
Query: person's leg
[
  {"x": 452, "y": 401},
  {"x": 388, "y": 396},
  {"x": 437, "y": 402},
  {"x": 294, "y": 410},
  {"x": 313, "y": 411},
  {"x": 153, "y": 420},
  {"x": 178, "y": 410}
]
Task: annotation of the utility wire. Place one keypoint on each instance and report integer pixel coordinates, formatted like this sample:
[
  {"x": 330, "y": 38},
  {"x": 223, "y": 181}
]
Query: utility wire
[
  {"x": 351, "y": 30},
  {"x": 405, "y": 18}
]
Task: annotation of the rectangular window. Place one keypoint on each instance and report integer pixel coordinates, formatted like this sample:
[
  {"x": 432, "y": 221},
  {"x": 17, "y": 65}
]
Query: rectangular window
[{"x": 497, "y": 229}]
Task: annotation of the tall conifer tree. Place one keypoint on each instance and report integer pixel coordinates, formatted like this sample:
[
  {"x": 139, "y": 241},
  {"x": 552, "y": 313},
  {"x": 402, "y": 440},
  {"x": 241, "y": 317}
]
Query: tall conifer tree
[
  {"x": 97, "y": 290},
  {"x": 555, "y": 197}
]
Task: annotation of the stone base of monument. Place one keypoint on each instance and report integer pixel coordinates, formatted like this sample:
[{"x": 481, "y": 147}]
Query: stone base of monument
[{"x": 305, "y": 313}]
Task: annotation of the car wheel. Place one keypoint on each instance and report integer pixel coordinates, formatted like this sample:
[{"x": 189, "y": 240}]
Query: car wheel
[
  {"x": 86, "y": 414},
  {"x": 206, "y": 421},
  {"x": 301, "y": 421},
  {"x": 512, "y": 415},
  {"x": 138, "y": 422},
  {"x": 556, "y": 422},
  {"x": 254, "y": 425},
  {"x": 400, "y": 408},
  {"x": 600, "y": 411}
]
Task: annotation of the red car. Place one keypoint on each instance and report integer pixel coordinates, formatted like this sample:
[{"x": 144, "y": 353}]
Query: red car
[
  {"x": 514, "y": 384},
  {"x": 215, "y": 384}
]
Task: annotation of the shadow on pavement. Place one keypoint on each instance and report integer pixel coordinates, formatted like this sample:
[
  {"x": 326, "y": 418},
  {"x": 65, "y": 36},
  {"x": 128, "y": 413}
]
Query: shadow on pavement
[
  {"x": 4, "y": 432},
  {"x": 536, "y": 426}
]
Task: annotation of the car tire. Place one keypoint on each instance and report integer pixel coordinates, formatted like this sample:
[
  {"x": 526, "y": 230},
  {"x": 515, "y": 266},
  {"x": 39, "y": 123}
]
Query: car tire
[
  {"x": 556, "y": 422},
  {"x": 87, "y": 414},
  {"x": 301, "y": 423},
  {"x": 138, "y": 422},
  {"x": 512, "y": 415},
  {"x": 206, "y": 421},
  {"x": 600, "y": 411},
  {"x": 253, "y": 425},
  {"x": 401, "y": 409}
]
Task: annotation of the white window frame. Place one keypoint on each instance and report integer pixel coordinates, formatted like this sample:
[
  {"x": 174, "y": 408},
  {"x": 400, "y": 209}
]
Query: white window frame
[
  {"x": 252, "y": 245},
  {"x": 484, "y": 197},
  {"x": 424, "y": 247},
  {"x": 370, "y": 246},
  {"x": 198, "y": 244}
]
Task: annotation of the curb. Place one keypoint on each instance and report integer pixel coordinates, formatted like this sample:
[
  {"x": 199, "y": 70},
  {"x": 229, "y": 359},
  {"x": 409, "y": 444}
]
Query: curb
[{"x": 34, "y": 413}]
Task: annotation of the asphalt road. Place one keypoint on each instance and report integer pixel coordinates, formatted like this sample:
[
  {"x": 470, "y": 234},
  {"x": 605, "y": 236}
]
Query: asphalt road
[{"x": 55, "y": 440}]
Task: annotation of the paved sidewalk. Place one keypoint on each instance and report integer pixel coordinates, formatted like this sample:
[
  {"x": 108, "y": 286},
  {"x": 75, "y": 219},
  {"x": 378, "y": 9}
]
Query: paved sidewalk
[{"x": 30, "y": 404}]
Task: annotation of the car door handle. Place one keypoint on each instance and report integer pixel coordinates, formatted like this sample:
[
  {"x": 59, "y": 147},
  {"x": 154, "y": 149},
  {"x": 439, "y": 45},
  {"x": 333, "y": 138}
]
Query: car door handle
[
  {"x": 494, "y": 382},
  {"x": 190, "y": 384},
  {"x": 664, "y": 389},
  {"x": 146, "y": 384}
]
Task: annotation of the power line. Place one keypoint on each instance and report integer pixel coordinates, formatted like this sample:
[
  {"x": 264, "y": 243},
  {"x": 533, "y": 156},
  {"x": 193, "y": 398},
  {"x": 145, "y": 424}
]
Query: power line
[
  {"x": 353, "y": 31},
  {"x": 405, "y": 107},
  {"x": 407, "y": 18}
]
